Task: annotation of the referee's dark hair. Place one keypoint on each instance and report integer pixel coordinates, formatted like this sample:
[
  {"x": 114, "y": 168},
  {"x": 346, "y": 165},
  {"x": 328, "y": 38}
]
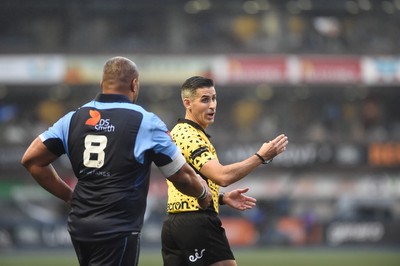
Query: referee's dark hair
[{"x": 190, "y": 85}]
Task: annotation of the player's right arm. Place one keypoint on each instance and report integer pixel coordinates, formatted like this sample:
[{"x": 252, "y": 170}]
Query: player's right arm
[
  {"x": 37, "y": 160},
  {"x": 188, "y": 182}
]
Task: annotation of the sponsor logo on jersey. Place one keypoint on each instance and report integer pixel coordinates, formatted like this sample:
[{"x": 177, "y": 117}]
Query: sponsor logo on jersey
[
  {"x": 100, "y": 124},
  {"x": 176, "y": 206},
  {"x": 94, "y": 118}
]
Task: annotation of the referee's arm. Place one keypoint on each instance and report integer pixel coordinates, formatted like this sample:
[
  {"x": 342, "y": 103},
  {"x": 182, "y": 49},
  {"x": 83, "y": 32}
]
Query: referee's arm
[{"x": 225, "y": 175}]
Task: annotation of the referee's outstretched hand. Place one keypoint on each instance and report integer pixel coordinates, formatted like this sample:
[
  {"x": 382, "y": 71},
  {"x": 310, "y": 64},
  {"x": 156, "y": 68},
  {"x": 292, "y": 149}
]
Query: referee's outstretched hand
[
  {"x": 205, "y": 203},
  {"x": 274, "y": 147}
]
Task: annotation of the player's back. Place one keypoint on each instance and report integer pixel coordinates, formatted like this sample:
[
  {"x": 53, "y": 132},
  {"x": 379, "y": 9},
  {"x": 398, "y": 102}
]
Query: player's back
[{"x": 110, "y": 196}]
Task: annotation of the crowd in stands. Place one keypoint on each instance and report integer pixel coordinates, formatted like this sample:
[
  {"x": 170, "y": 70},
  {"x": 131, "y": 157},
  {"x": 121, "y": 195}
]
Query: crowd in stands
[
  {"x": 200, "y": 26},
  {"x": 328, "y": 114}
]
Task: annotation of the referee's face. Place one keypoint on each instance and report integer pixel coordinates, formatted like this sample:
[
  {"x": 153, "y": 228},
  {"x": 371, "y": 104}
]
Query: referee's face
[{"x": 202, "y": 107}]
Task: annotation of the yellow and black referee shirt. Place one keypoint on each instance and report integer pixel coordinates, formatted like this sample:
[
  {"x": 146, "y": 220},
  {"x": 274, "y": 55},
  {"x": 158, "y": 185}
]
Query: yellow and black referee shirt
[{"x": 197, "y": 149}]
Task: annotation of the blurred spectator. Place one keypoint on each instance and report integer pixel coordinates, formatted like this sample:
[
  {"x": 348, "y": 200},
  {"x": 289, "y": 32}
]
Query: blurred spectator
[{"x": 228, "y": 26}]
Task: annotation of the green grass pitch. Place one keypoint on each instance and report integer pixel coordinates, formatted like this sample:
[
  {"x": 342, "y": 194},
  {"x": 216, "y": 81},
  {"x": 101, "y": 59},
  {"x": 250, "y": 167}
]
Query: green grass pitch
[{"x": 253, "y": 257}]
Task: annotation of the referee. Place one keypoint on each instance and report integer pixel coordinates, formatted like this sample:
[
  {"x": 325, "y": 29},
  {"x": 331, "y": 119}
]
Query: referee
[
  {"x": 111, "y": 143},
  {"x": 191, "y": 236}
]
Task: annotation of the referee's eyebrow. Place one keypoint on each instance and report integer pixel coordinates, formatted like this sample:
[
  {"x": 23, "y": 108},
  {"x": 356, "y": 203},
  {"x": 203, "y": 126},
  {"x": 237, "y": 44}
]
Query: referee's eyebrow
[{"x": 207, "y": 96}]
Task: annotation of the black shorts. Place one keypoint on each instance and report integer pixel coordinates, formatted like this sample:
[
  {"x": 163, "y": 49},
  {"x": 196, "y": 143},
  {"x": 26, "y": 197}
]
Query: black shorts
[
  {"x": 115, "y": 252},
  {"x": 194, "y": 238}
]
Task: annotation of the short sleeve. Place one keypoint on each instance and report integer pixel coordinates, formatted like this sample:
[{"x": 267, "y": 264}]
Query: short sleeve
[{"x": 55, "y": 137}]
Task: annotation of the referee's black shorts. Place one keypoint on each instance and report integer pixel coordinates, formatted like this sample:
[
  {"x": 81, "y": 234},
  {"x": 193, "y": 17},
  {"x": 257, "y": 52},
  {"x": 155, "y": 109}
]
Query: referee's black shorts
[{"x": 194, "y": 238}]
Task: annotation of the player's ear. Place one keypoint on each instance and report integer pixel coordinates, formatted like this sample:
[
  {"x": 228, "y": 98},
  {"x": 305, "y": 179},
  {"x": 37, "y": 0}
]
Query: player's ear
[{"x": 134, "y": 86}]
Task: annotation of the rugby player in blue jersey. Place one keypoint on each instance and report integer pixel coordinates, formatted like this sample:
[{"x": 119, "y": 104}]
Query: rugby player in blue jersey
[{"x": 111, "y": 143}]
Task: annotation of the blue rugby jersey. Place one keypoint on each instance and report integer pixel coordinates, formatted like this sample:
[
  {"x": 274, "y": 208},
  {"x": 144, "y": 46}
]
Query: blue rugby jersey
[{"x": 111, "y": 144}]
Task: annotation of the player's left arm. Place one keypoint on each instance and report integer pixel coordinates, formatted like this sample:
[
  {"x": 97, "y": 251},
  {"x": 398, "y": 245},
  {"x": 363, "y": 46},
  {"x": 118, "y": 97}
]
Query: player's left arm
[{"x": 37, "y": 160}]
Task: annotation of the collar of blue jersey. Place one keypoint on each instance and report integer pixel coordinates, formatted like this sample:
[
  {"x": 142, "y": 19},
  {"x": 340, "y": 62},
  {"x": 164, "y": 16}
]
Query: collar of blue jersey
[
  {"x": 193, "y": 124},
  {"x": 111, "y": 98}
]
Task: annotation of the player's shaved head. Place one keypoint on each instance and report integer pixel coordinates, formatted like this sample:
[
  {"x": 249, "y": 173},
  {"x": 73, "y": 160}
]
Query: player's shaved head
[{"x": 118, "y": 73}]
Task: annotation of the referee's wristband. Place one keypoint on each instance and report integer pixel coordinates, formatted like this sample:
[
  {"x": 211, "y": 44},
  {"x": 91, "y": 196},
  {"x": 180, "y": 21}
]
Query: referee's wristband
[
  {"x": 262, "y": 159},
  {"x": 221, "y": 199}
]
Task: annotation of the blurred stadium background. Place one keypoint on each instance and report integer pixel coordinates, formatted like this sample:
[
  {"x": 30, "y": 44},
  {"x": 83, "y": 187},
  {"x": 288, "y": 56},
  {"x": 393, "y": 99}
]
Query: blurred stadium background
[{"x": 324, "y": 72}]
